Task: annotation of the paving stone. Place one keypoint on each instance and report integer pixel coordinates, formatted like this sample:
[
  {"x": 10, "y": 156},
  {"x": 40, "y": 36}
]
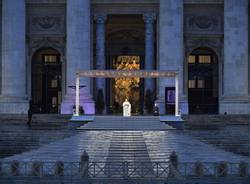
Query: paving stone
[{"x": 129, "y": 145}]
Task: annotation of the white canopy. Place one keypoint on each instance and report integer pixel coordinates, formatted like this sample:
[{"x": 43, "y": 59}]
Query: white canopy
[{"x": 126, "y": 74}]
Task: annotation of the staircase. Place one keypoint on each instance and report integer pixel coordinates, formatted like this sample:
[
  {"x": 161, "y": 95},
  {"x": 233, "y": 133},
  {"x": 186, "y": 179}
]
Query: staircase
[
  {"x": 228, "y": 132},
  {"x": 233, "y": 138},
  {"x": 128, "y": 146},
  {"x": 206, "y": 122},
  {"x": 126, "y": 123},
  {"x": 16, "y": 137}
]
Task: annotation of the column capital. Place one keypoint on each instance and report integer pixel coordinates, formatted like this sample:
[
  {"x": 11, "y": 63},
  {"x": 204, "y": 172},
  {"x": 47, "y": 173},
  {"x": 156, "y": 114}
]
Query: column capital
[
  {"x": 100, "y": 18},
  {"x": 149, "y": 17}
]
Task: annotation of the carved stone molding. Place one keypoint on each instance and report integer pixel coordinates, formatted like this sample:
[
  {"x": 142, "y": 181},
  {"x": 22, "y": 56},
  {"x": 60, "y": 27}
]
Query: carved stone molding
[
  {"x": 100, "y": 18},
  {"x": 46, "y": 1},
  {"x": 129, "y": 35},
  {"x": 203, "y": 23},
  {"x": 45, "y": 42},
  {"x": 149, "y": 18},
  {"x": 47, "y": 24},
  {"x": 203, "y": 2},
  {"x": 216, "y": 44}
]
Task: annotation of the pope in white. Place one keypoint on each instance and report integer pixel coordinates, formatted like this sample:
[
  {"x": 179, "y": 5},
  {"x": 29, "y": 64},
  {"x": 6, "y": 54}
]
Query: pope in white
[{"x": 126, "y": 108}]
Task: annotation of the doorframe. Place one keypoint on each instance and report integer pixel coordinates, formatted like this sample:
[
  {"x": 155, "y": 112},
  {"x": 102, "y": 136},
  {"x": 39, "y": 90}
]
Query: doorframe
[
  {"x": 205, "y": 51},
  {"x": 60, "y": 62}
]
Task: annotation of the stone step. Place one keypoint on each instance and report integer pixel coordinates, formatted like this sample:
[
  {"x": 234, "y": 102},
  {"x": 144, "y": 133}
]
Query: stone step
[
  {"x": 126, "y": 123},
  {"x": 17, "y": 138},
  {"x": 129, "y": 146},
  {"x": 157, "y": 146},
  {"x": 206, "y": 122}
]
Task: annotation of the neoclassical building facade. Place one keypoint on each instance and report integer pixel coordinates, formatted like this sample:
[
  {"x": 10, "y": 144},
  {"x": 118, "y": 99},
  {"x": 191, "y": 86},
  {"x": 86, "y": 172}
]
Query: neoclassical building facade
[{"x": 44, "y": 43}]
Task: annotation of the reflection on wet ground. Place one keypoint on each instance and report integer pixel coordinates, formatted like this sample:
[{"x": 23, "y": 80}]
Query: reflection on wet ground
[{"x": 136, "y": 145}]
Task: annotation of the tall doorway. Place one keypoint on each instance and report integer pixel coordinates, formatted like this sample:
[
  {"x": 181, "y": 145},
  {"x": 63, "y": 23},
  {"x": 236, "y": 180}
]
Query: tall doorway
[
  {"x": 126, "y": 88},
  {"x": 125, "y": 50},
  {"x": 46, "y": 81},
  {"x": 203, "y": 82}
]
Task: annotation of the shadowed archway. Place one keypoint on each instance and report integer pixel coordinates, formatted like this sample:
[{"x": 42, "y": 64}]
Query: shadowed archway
[
  {"x": 46, "y": 87},
  {"x": 203, "y": 80}
]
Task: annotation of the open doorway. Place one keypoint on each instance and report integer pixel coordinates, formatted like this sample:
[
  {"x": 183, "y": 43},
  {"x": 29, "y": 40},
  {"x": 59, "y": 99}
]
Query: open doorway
[
  {"x": 126, "y": 88},
  {"x": 203, "y": 82},
  {"x": 125, "y": 50},
  {"x": 46, "y": 81}
]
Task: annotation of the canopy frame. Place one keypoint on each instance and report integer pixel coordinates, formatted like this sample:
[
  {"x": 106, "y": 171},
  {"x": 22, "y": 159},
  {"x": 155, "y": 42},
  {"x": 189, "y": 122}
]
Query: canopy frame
[{"x": 126, "y": 74}]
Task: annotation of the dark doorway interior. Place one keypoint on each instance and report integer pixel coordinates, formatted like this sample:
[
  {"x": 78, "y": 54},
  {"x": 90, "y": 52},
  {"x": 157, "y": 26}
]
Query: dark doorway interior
[
  {"x": 170, "y": 100},
  {"x": 203, "y": 82},
  {"x": 125, "y": 50},
  {"x": 46, "y": 81}
]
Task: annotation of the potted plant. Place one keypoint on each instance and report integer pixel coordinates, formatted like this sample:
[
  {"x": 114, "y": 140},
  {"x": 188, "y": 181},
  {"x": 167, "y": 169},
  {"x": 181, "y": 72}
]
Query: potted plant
[
  {"x": 99, "y": 103},
  {"x": 149, "y": 102}
]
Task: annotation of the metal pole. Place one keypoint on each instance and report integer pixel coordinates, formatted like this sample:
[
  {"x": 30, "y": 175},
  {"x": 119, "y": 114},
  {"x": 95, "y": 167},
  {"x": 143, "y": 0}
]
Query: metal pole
[
  {"x": 77, "y": 94},
  {"x": 176, "y": 95}
]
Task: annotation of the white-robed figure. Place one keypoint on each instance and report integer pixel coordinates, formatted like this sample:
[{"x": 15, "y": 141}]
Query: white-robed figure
[{"x": 126, "y": 108}]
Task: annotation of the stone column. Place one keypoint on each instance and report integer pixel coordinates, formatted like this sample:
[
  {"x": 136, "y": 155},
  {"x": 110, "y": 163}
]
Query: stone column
[
  {"x": 235, "y": 78},
  {"x": 78, "y": 54},
  {"x": 149, "y": 19},
  {"x": 13, "y": 94},
  {"x": 171, "y": 49},
  {"x": 100, "y": 50}
]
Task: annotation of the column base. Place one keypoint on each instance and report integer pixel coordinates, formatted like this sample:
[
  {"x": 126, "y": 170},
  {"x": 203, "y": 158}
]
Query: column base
[
  {"x": 234, "y": 107},
  {"x": 183, "y": 107},
  {"x": 13, "y": 105},
  {"x": 161, "y": 105},
  {"x": 87, "y": 104}
]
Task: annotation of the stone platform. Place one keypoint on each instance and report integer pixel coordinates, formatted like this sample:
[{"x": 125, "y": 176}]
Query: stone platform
[{"x": 126, "y": 123}]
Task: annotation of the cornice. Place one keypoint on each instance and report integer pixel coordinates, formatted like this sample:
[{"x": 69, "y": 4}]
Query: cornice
[
  {"x": 46, "y": 1},
  {"x": 203, "y": 1},
  {"x": 124, "y": 1}
]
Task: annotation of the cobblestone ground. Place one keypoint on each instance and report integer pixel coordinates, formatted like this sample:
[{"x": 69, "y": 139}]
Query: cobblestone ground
[{"x": 65, "y": 144}]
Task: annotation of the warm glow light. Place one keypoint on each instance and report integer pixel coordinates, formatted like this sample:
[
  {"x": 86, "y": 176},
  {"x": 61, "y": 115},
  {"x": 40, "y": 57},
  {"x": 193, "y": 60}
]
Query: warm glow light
[{"x": 126, "y": 87}]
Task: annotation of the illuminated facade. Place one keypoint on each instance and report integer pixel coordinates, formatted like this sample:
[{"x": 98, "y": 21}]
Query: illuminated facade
[{"x": 44, "y": 43}]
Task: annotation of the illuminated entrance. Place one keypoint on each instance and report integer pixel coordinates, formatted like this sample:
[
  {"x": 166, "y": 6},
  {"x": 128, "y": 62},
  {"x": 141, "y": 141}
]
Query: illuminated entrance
[
  {"x": 126, "y": 88},
  {"x": 125, "y": 50},
  {"x": 126, "y": 74}
]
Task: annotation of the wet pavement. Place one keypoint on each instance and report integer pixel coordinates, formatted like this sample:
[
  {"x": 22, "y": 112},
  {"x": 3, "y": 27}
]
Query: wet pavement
[
  {"x": 129, "y": 145},
  {"x": 141, "y": 144}
]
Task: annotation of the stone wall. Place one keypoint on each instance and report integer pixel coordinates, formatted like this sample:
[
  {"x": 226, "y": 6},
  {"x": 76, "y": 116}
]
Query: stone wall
[
  {"x": 46, "y": 28},
  {"x": 46, "y": 19},
  {"x": 249, "y": 53},
  {"x": 203, "y": 27},
  {"x": 0, "y": 49},
  {"x": 235, "y": 74}
]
